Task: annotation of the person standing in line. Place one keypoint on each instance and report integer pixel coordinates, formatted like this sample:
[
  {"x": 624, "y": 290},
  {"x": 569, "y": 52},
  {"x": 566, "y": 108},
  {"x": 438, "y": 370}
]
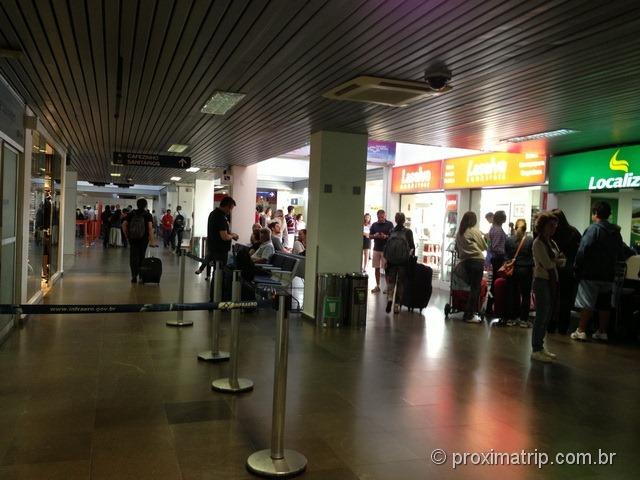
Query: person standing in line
[
  {"x": 258, "y": 214},
  {"x": 138, "y": 228},
  {"x": 125, "y": 213},
  {"x": 399, "y": 248},
  {"x": 115, "y": 232},
  {"x": 105, "y": 218},
  {"x": 519, "y": 249},
  {"x": 366, "y": 241},
  {"x": 291, "y": 225},
  {"x": 497, "y": 242},
  {"x": 470, "y": 244},
  {"x": 601, "y": 248},
  {"x": 167, "y": 227},
  {"x": 178, "y": 230},
  {"x": 284, "y": 232},
  {"x": 379, "y": 232},
  {"x": 568, "y": 240},
  {"x": 300, "y": 223},
  {"x": 547, "y": 258},
  {"x": 219, "y": 235},
  {"x": 265, "y": 217}
]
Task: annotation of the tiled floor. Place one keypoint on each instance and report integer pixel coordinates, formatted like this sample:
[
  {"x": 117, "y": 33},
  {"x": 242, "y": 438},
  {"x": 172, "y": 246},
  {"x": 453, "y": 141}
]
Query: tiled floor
[{"x": 124, "y": 397}]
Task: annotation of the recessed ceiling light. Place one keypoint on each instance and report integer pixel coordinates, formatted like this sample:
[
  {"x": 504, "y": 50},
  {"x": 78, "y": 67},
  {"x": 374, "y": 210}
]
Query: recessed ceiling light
[
  {"x": 115, "y": 174},
  {"x": 175, "y": 179},
  {"x": 177, "y": 148},
  {"x": 193, "y": 169},
  {"x": 221, "y": 102},
  {"x": 540, "y": 135}
]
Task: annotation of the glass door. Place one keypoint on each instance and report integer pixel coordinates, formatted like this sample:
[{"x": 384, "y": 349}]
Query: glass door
[{"x": 8, "y": 227}]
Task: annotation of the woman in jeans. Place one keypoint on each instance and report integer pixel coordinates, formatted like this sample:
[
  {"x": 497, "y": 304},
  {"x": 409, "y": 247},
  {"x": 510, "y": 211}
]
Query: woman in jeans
[
  {"x": 470, "y": 244},
  {"x": 547, "y": 258}
]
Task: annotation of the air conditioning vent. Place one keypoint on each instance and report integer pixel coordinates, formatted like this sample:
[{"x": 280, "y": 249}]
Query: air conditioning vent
[{"x": 382, "y": 91}]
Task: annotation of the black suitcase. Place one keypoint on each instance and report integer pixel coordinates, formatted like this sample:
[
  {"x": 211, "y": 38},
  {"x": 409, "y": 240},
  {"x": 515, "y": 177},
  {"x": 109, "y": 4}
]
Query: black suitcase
[
  {"x": 417, "y": 286},
  {"x": 151, "y": 270}
]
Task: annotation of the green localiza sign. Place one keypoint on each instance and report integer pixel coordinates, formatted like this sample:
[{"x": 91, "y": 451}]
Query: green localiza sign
[{"x": 605, "y": 169}]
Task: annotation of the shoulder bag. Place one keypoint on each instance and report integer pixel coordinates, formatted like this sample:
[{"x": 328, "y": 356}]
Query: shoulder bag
[{"x": 507, "y": 268}]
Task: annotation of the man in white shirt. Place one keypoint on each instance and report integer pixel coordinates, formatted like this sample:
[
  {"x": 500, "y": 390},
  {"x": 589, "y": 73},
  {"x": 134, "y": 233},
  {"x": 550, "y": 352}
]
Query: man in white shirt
[{"x": 265, "y": 250}]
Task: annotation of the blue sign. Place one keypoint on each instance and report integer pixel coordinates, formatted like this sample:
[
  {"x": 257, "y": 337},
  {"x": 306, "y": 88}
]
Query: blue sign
[{"x": 381, "y": 152}]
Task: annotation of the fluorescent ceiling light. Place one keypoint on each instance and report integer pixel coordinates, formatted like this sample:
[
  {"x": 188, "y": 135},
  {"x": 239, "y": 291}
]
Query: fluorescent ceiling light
[
  {"x": 221, "y": 102},
  {"x": 540, "y": 135},
  {"x": 177, "y": 148},
  {"x": 193, "y": 169},
  {"x": 115, "y": 174},
  {"x": 175, "y": 179}
]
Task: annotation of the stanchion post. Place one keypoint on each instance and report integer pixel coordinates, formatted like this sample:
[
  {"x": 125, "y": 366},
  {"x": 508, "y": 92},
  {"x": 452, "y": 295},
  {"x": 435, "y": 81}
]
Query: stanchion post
[
  {"x": 233, "y": 384},
  {"x": 278, "y": 461},
  {"x": 180, "y": 322},
  {"x": 215, "y": 355}
]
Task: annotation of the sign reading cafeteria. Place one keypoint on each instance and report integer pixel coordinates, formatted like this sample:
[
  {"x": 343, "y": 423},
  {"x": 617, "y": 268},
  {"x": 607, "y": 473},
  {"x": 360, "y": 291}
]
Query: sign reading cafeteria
[
  {"x": 494, "y": 170},
  {"x": 605, "y": 169},
  {"x": 422, "y": 177}
]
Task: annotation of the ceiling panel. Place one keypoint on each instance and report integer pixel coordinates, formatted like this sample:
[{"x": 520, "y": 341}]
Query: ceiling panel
[{"x": 519, "y": 67}]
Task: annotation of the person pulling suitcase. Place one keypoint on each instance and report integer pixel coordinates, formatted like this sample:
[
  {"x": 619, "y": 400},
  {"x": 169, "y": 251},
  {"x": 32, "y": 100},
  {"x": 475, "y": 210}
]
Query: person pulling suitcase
[
  {"x": 397, "y": 254},
  {"x": 138, "y": 228}
]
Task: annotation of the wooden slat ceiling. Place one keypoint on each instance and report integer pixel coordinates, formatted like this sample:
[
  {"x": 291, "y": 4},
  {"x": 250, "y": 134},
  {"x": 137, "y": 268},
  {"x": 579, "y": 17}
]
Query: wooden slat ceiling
[{"x": 519, "y": 67}]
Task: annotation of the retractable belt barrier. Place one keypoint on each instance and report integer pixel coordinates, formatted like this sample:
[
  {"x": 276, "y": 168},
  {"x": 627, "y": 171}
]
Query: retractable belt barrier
[{"x": 45, "y": 309}]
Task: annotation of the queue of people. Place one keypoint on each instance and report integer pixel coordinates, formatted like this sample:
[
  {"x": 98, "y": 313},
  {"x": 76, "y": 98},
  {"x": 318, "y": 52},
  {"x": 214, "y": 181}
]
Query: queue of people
[{"x": 562, "y": 269}]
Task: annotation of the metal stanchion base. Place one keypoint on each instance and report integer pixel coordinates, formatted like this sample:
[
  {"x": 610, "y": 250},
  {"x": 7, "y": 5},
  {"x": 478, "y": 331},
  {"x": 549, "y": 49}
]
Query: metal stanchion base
[
  {"x": 177, "y": 323},
  {"x": 209, "y": 356},
  {"x": 291, "y": 465},
  {"x": 224, "y": 385}
]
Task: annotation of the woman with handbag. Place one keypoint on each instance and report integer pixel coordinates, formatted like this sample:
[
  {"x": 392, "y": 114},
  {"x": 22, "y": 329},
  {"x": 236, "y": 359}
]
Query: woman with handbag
[
  {"x": 470, "y": 245},
  {"x": 547, "y": 258},
  {"x": 519, "y": 272}
]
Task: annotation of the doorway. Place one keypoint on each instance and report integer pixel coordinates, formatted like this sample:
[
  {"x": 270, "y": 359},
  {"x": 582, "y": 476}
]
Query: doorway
[{"x": 8, "y": 230}]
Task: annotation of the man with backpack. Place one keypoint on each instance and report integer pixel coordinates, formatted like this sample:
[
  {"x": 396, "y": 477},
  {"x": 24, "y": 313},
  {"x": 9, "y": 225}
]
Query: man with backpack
[
  {"x": 138, "y": 228},
  {"x": 397, "y": 253},
  {"x": 178, "y": 230}
]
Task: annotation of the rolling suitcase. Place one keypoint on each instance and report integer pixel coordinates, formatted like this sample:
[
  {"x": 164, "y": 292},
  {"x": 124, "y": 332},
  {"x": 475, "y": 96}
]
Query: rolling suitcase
[
  {"x": 417, "y": 287},
  {"x": 501, "y": 298},
  {"x": 150, "y": 270}
]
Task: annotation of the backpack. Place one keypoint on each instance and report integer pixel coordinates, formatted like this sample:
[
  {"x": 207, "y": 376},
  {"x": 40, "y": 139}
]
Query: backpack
[
  {"x": 137, "y": 227},
  {"x": 396, "y": 251},
  {"x": 178, "y": 223}
]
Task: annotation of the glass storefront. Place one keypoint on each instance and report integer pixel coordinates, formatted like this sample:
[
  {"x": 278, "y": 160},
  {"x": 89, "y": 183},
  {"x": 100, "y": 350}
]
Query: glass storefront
[
  {"x": 44, "y": 215},
  {"x": 9, "y": 162},
  {"x": 521, "y": 202}
]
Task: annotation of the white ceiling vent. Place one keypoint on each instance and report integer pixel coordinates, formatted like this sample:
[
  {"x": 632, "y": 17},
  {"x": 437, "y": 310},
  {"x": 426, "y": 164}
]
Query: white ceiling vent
[{"x": 383, "y": 91}]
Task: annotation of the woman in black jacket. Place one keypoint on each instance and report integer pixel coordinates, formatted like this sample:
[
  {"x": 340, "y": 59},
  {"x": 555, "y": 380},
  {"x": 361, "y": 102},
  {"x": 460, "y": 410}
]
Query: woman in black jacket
[
  {"x": 568, "y": 240},
  {"x": 520, "y": 282}
]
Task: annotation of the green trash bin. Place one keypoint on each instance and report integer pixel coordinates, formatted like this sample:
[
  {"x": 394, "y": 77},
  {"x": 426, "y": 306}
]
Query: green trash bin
[{"x": 329, "y": 299}]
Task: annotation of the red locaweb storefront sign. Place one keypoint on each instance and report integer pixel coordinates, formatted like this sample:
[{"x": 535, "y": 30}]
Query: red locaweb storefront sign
[{"x": 422, "y": 177}]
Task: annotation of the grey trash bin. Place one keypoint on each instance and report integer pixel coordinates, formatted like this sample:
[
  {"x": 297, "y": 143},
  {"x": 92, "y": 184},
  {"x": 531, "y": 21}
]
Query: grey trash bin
[
  {"x": 329, "y": 299},
  {"x": 355, "y": 311}
]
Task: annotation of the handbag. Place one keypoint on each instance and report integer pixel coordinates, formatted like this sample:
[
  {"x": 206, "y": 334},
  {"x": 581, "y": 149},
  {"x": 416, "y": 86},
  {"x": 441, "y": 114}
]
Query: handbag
[{"x": 507, "y": 268}]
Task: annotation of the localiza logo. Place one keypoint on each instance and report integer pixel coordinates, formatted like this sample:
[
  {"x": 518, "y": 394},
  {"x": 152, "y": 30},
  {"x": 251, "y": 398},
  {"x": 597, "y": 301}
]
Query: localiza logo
[{"x": 628, "y": 180}]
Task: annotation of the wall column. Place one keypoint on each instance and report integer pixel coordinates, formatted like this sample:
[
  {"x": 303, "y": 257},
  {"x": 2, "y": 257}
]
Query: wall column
[
  {"x": 243, "y": 191},
  {"x": 69, "y": 218},
  {"x": 337, "y": 182}
]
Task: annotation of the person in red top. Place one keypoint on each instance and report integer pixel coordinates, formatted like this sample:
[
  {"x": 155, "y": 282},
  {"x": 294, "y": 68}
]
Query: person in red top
[{"x": 167, "y": 227}]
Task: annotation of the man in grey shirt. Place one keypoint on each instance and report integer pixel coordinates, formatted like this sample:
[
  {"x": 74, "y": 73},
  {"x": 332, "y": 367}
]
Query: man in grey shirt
[{"x": 276, "y": 230}]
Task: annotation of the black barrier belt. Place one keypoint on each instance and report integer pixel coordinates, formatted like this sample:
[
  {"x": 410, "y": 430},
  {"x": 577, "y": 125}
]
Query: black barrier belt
[{"x": 44, "y": 309}]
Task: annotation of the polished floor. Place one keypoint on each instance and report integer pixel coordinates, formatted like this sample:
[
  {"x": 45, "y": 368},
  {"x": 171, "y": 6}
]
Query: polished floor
[{"x": 124, "y": 397}]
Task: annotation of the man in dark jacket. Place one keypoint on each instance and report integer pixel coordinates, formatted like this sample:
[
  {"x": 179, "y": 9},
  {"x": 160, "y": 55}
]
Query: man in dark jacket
[{"x": 601, "y": 248}]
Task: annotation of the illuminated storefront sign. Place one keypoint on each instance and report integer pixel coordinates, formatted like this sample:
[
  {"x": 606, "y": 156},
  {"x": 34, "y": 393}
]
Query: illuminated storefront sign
[
  {"x": 422, "y": 177},
  {"x": 605, "y": 169},
  {"x": 494, "y": 170}
]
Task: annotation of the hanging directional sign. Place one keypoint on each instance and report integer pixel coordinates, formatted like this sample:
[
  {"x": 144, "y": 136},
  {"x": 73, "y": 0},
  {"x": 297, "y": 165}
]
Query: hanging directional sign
[{"x": 150, "y": 160}]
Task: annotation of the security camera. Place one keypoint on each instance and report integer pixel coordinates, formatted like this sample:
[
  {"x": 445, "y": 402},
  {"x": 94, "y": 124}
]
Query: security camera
[{"x": 437, "y": 77}]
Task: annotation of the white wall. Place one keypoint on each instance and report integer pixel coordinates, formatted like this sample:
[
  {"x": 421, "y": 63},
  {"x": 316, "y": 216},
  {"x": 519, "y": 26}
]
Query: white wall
[
  {"x": 203, "y": 205},
  {"x": 243, "y": 191}
]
